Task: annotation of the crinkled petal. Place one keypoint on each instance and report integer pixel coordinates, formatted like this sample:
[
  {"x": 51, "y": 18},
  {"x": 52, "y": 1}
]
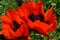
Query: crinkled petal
[
  {"x": 5, "y": 19},
  {"x": 40, "y": 7},
  {"x": 7, "y": 31},
  {"x": 48, "y": 14}
]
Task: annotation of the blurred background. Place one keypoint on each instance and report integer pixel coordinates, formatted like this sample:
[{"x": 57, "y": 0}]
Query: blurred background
[{"x": 7, "y": 4}]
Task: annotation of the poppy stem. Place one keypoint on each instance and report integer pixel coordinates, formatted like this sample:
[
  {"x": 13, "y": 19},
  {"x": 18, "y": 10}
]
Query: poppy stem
[{"x": 34, "y": 35}]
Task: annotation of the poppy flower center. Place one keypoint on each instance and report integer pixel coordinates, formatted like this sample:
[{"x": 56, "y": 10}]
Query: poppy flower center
[
  {"x": 47, "y": 22},
  {"x": 16, "y": 25},
  {"x": 31, "y": 17},
  {"x": 37, "y": 17}
]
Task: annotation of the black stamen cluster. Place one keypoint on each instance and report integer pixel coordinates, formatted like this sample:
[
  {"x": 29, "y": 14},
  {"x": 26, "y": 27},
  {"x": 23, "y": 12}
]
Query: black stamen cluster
[
  {"x": 16, "y": 25},
  {"x": 37, "y": 17}
]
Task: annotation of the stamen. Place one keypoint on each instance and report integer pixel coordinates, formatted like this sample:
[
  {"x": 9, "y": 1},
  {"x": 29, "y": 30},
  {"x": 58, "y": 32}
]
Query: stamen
[
  {"x": 39, "y": 17},
  {"x": 16, "y": 25},
  {"x": 47, "y": 22},
  {"x": 31, "y": 17}
]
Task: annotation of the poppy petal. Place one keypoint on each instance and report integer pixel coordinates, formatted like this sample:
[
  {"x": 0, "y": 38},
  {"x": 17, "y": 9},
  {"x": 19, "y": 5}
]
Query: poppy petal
[
  {"x": 42, "y": 29},
  {"x": 53, "y": 21},
  {"x": 5, "y": 19},
  {"x": 53, "y": 28},
  {"x": 45, "y": 27},
  {"x": 1, "y": 32},
  {"x": 41, "y": 7},
  {"x": 8, "y": 14},
  {"x": 16, "y": 16},
  {"x": 52, "y": 18},
  {"x": 27, "y": 6},
  {"x": 48, "y": 14},
  {"x": 8, "y": 32}
]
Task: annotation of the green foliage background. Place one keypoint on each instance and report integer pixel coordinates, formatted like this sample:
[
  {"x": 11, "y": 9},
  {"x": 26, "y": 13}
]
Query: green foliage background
[{"x": 7, "y": 4}]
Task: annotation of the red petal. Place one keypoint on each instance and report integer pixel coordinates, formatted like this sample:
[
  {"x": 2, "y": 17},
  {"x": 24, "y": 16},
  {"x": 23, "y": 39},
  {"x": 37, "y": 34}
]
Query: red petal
[
  {"x": 41, "y": 7},
  {"x": 5, "y": 19},
  {"x": 41, "y": 28},
  {"x": 1, "y": 32},
  {"x": 7, "y": 31},
  {"x": 48, "y": 14},
  {"x": 8, "y": 14},
  {"x": 53, "y": 27},
  {"x": 52, "y": 19}
]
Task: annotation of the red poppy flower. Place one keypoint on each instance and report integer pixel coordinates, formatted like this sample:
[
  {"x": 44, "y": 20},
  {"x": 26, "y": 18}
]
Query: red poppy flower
[
  {"x": 34, "y": 16},
  {"x": 13, "y": 26}
]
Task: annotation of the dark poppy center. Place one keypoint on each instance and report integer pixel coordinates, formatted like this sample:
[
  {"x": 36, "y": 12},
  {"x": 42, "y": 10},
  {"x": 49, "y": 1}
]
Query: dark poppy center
[
  {"x": 16, "y": 25},
  {"x": 47, "y": 22},
  {"x": 31, "y": 17},
  {"x": 37, "y": 17}
]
